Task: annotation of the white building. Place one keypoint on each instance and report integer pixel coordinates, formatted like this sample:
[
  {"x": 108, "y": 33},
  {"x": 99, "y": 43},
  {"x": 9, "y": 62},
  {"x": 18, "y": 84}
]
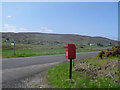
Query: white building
[{"x": 91, "y": 44}]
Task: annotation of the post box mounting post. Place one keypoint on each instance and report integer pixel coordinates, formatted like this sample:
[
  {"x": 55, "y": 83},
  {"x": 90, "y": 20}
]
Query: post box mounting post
[{"x": 70, "y": 75}]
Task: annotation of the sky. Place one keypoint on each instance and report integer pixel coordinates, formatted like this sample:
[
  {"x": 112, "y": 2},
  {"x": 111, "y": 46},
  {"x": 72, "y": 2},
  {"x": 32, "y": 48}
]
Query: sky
[{"x": 83, "y": 18}]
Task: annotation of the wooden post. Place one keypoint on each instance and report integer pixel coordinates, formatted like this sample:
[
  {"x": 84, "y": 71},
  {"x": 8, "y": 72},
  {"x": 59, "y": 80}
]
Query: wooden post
[{"x": 14, "y": 49}]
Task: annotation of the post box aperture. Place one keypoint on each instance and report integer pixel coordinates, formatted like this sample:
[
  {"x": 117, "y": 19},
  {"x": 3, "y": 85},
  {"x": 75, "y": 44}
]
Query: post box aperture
[{"x": 70, "y": 51}]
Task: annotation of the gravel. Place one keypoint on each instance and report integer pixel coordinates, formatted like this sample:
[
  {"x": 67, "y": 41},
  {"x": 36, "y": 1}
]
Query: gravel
[{"x": 36, "y": 81}]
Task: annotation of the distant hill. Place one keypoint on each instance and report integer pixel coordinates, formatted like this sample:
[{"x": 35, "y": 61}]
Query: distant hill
[{"x": 54, "y": 39}]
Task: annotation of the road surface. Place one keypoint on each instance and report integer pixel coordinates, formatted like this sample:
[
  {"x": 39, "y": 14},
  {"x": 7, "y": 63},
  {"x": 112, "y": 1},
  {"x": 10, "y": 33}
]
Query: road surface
[{"x": 18, "y": 68}]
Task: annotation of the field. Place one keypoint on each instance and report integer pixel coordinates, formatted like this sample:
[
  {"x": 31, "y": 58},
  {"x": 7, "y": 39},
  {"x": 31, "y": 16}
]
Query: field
[
  {"x": 86, "y": 73},
  {"x": 37, "y": 44},
  {"x": 26, "y": 50}
]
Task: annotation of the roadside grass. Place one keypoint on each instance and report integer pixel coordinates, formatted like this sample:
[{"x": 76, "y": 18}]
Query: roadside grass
[{"x": 87, "y": 73}]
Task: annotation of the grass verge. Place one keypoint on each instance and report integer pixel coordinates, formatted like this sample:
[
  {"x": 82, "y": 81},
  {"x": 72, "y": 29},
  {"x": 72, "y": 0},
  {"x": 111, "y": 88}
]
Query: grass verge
[{"x": 87, "y": 73}]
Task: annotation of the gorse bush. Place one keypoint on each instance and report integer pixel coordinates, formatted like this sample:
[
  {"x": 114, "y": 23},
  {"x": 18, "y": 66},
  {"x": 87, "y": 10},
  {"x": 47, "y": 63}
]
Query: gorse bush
[{"x": 109, "y": 52}]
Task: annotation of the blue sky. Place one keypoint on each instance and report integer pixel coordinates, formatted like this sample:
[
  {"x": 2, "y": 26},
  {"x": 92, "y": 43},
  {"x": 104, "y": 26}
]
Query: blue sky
[{"x": 83, "y": 18}]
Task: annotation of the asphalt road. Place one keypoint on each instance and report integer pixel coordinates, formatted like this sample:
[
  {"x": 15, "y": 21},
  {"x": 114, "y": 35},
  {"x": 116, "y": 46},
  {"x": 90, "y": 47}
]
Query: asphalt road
[{"x": 18, "y": 68}]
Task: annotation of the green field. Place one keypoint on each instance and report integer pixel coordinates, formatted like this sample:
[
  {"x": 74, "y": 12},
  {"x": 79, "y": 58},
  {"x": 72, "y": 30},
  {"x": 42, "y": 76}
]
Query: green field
[
  {"x": 36, "y": 44},
  {"x": 86, "y": 73},
  {"x": 37, "y": 52},
  {"x": 26, "y": 50},
  {"x": 32, "y": 52}
]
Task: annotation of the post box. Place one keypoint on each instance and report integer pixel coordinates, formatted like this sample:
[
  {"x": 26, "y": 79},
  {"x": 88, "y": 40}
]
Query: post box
[{"x": 70, "y": 51}]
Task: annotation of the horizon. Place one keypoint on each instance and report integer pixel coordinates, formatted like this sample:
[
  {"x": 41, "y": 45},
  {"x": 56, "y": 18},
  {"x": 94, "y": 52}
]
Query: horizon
[
  {"x": 59, "y": 34},
  {"x": 81, "y": 18}
]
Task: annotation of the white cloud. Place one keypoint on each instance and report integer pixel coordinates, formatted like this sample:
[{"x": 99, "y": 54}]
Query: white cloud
[
  {"x": 22, "y": 29},
  {"x": 8, "y": 28},
  {"x": 9, "y": 16},
  {"x": 46, "y": 30}
]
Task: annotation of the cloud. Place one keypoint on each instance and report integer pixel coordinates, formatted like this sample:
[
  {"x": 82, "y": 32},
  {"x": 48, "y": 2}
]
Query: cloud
[
  {"x": 22, "y": 29},
  {"x": 9, "y": 16},
  {"x": 8, "y": 28},
  {"x": 46, "y": 30}
]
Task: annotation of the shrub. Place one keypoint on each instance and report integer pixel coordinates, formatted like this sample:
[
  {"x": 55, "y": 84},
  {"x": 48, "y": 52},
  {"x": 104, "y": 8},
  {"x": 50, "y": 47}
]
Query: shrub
[{"x": 114, "y": 51}]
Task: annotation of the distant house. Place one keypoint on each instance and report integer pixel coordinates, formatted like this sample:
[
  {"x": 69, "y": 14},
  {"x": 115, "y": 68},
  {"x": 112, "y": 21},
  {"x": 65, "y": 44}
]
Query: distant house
[{"x": 92, "y": 44}]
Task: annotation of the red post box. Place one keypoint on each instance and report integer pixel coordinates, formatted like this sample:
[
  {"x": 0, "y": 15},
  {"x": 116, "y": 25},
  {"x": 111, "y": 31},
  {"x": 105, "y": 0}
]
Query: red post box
[
  {"x": 70, "y": 54},
  {"x": 70, "y": 51}
]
